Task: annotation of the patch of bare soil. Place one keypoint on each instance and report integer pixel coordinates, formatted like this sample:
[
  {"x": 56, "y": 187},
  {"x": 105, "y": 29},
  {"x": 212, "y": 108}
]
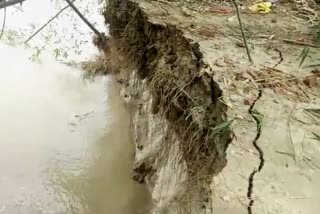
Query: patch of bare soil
[{"x": 191, "y": 58}]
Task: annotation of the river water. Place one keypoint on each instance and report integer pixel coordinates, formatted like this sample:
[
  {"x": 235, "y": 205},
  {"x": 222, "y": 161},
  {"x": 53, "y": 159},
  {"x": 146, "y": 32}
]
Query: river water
[{"x": 65, "y": 143}]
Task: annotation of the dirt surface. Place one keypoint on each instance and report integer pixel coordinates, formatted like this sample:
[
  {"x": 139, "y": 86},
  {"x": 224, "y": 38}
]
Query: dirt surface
[{"x": 273, "y": 163}]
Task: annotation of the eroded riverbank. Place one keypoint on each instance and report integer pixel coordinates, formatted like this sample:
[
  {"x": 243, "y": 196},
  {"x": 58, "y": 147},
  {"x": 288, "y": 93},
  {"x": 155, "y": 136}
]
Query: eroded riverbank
[{"x": 207, "y": 120}]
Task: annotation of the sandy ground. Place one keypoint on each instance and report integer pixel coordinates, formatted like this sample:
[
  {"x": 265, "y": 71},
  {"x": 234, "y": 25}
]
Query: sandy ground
[{"x": 289, "y": 180}]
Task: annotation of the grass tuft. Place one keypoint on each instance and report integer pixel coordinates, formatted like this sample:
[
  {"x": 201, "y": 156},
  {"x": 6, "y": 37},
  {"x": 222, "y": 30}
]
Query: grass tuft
[{"x": 303, "y": 55}]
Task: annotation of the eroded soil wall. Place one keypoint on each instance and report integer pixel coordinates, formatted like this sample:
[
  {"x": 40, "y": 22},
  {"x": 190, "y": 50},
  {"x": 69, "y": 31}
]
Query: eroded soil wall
[{"x": 180, "y": 126}]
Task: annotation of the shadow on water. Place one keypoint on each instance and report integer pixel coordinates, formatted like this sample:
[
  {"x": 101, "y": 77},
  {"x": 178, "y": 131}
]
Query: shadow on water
[{"x": 65, "y": 144}]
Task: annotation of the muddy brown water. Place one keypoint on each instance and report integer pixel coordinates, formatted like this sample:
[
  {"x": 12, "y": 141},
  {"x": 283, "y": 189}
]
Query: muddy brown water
[{"x": 65, "y": 143}]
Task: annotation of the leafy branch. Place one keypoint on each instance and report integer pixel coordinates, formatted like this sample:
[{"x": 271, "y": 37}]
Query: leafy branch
[{"x": 100, "y": 35}]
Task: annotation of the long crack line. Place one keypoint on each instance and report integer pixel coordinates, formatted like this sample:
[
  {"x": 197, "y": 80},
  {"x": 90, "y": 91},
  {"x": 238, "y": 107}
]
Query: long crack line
[
  {"x": 257, "y": 117},
  {"x": 281, "y": 58}
]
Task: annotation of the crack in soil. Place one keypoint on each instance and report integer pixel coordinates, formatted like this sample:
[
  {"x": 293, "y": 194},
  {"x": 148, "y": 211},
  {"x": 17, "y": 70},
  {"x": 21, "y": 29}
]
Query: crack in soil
[
  {"x": 257, "y": 117},
  {"x": 281, "y": 58}
]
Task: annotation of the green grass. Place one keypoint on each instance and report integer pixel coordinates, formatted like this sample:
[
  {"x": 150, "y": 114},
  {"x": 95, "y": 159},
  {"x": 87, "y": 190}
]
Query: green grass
[
  {"x": 259, "y": 118},
  {"x": 306, "y": 49},
  {"x": 222, "y": 127},
  {"x": 303, "y": 55}
]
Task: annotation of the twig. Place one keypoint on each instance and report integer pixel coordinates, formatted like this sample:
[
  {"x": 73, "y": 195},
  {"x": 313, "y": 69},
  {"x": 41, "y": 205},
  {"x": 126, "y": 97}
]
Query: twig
[
  {"x": 312, "y": 66},
  {"x": 279, "y": 71},
  {"x": 304, "y": 91},
  {"x": 290, "y": 41},
  {"x": 48, "y": 22},
  {"x": 242, "y": 30},
  {"x": 310, "y": 163},
  {"x": 300, "y": 197},
  {"x": 4, "y": 22},
  {"x": 286, "y": 153},
  {"x": 300, "y": 43},
  {"x": 280, "y": 81},
  {"x": 4, "y": 4},
  {"x": 84, "y": 19}
]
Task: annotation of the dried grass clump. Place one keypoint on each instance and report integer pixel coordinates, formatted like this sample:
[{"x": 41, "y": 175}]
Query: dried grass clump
[
  {"x": 97, "y": 66},
  {"x": 108, "y": 62}
]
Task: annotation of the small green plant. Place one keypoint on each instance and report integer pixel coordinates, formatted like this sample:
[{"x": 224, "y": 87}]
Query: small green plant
[
  {"x": 303, "y": 55},
  {"x": 222, "y": 127},
  {"x": 306, "y": 49},
  {"x": 258, "y": 117}
]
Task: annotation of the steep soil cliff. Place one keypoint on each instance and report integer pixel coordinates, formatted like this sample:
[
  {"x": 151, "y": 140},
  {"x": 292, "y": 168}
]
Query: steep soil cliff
[
  {"x": 181, "y": 129},
  {"x": 186, "y": 81}
]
